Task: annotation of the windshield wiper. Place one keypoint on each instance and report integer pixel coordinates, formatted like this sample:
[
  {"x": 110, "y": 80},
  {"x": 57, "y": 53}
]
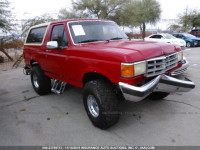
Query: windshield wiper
[
  {"x": 86, "y": 41},
  {"x": 116, "y": 38}
]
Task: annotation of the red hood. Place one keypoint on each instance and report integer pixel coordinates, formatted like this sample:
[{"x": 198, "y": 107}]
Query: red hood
[{"x": 128, "y": 51}]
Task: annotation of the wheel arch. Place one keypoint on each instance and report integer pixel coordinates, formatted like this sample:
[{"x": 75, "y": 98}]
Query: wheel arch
[
  {"x": 93, "y": 76},
  {"x": 33, "y": 62}
]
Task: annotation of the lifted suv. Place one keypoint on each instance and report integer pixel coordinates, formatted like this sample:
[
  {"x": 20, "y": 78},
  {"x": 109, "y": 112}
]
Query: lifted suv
[{"x": 98, "y": 57}]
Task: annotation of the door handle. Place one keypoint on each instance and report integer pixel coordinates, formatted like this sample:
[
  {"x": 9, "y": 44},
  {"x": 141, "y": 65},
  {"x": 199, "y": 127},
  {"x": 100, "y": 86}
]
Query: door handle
[{"x": 48, "y": 51}]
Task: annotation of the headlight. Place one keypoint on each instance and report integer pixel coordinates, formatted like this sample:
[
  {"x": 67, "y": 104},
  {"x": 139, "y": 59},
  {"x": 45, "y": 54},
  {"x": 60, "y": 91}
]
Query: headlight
[
  {"x": 180, "y": 56},
  {"x": 133, "y": 69}
]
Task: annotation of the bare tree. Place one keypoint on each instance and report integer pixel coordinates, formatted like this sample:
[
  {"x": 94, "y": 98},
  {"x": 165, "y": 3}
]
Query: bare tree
[
  {"x": 5, "y": 24},
  {"x": 35, "y": 21},
  {"x": 5, "y": 14}
]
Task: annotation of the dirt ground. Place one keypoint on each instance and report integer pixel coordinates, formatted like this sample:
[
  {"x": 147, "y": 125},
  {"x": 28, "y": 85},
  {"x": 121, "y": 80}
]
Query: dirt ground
[{"x": 15, "y": 54}]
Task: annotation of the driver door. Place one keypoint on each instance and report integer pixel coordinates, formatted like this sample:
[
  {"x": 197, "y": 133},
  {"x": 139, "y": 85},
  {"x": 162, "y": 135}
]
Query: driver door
[{"x": 55, "y": 58}]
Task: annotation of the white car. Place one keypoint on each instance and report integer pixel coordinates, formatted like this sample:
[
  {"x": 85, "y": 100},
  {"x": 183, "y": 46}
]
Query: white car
[{"x": 167, "y": 38}]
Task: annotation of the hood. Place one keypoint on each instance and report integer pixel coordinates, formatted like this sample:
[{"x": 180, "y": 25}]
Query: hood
[{"x": 128, "y": 51}]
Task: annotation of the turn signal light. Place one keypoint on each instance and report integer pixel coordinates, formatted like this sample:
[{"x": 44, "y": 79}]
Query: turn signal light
[{"x": 127, "y": 70}]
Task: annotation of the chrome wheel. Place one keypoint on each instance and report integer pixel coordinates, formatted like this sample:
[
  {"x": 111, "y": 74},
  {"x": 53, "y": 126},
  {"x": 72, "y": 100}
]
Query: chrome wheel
[
  {"x": 93, "y": 106},
  {"x": 35, "y": 81}
]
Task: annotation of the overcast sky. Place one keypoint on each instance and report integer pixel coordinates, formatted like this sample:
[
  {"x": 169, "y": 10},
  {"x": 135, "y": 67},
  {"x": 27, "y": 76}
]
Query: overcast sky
[{"x": 24, "y": 9}]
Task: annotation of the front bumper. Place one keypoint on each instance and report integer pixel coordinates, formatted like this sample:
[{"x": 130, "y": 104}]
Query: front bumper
[{"x": 161, "y": 83}]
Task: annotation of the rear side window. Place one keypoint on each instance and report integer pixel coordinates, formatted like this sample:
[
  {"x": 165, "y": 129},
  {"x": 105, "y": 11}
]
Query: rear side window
[{"x": 36, "y": 35}]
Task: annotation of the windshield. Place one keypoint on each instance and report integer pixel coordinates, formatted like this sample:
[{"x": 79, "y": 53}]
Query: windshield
[
  {"x": 189, "y": 36},
  {"x": 169, "y": 36},
  {"x": 91, "y": 31}
]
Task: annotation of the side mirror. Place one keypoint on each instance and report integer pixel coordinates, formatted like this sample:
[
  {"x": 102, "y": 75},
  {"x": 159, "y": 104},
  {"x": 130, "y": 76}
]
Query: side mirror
[{"x": 52, "y": 45}]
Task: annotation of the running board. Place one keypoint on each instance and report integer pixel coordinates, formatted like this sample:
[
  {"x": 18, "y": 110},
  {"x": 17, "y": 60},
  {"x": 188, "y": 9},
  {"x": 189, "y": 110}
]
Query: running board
[{"x": 58, "y": 86}]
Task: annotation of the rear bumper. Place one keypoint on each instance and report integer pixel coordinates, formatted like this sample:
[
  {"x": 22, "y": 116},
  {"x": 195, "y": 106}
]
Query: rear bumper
[{"x": 161, "y": 83}]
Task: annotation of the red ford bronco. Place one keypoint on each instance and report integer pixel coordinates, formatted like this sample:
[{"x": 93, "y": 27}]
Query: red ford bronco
[{"x": 98, "y": 57}]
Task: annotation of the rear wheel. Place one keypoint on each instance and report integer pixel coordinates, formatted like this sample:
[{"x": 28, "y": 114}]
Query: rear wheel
[
  {"x": 40, "y": 82},
  {"x": 101, "y": 103},
  {"x": 188, "y": 44},
  {"x": 157, "y": 95}
]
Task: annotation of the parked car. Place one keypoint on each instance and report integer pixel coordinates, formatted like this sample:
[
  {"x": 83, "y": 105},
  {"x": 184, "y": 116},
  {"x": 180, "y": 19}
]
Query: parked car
[
  {"x": 195, "y": 32},
  {"x": 182, "y": 69},
  {"x": 106, "y": 64},
  {"x": 190, "y": 39},
  {"x": 167, "y": 38}
]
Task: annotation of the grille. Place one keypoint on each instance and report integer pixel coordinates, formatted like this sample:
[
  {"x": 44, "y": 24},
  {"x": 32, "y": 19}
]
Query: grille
[{"x": 160, "y": 65}]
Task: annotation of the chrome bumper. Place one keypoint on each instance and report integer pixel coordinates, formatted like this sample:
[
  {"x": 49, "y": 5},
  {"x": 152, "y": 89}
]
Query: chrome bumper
[{"x": 161, "y": 83}]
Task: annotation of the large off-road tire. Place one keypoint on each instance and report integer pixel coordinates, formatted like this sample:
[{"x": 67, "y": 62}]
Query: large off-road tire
[
  {"x": 157, "y": 95},
  {"x": 101, "y": 103},
  {"x": 40, "y": 82}
]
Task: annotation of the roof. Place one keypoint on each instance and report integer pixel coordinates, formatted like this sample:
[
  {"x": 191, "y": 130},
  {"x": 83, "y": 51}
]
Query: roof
[
  {"x": 163, "y": 34},
  {"x": 68, "y": 20},
  {"x": 80, "y": 19},
  {"x": 184, "y": 34},
  {"x": 40, "y": 25}
]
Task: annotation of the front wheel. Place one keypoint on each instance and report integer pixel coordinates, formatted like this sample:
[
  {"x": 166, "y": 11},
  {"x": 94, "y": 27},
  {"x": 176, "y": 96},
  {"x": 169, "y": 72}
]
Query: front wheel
[
  {"x": 101, "y": 103},
  {"x": 157, "y": 95}
]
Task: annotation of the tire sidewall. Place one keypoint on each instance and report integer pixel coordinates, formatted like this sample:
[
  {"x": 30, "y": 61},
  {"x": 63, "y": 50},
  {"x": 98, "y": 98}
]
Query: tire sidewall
[
  {"x": 85, "y": 96},
  {"x": 44, "y": 82},
  {"x": 188, "y": 44},
  {"x": 34, "y": 71},
  {"x": 107, "y": 102}
]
